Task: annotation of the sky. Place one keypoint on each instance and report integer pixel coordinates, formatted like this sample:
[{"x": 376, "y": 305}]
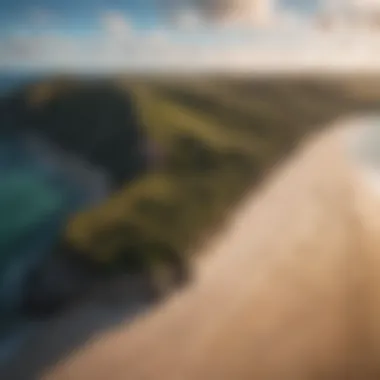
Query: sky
[
  {"x": 78, "y": 16},
  {"x": 115, "y": 35}
]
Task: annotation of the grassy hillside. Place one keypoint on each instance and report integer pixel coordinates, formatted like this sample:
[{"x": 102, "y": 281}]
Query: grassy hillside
[{"x": 220, "y": 135}]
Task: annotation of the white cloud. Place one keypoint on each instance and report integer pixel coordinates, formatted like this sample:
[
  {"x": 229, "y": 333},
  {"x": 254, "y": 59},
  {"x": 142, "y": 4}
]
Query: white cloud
[
  {"x": 249, "y": 12},
  {"x": 365, "y": 4},
  {"x": 290, "y": 43},
  {"x": 116, "y": 24},
  {"x": 295, "y": 46},
  {"x": 187, "y": 19},
  {"x": 352, "y": 12},
  {"x": 158, "y": 38},
  {"x": 221, "y": 12}
]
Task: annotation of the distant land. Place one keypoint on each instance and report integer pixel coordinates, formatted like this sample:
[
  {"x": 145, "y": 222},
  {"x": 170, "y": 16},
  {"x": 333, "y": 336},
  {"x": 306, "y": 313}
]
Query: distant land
[{"x": 9, "y": 81}]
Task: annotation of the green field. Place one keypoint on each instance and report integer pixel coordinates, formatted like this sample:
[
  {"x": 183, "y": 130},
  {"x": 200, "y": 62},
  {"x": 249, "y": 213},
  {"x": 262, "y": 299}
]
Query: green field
[{"x": 221, "y": 135}]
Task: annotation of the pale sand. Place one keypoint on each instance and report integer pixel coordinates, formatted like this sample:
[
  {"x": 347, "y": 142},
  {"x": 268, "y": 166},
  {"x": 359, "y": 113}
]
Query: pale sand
[{"x": 289, "y": 290}]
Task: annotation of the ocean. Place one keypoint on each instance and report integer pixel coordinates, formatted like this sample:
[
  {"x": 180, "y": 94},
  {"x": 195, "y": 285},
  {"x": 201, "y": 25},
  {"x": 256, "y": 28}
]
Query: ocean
[
  {"x": 32, "y": 171},
  {"x": 11, "y": 81}
]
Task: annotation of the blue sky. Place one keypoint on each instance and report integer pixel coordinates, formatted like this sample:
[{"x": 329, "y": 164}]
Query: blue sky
[
  {"x": 71, "y": 16},
  {"x": 147, "y": 34},
  {"x": 84, "y": 16}
]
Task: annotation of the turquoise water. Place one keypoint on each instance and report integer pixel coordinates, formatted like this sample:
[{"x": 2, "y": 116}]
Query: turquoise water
[
  {"x": 35, "y": 201},
  {"x": 34, "y": 204},
  {"x": 40, "y": 187}
]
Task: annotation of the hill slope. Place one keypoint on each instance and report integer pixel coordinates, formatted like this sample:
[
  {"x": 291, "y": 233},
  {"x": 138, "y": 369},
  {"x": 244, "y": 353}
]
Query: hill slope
[{"x": 220, "y": 135}]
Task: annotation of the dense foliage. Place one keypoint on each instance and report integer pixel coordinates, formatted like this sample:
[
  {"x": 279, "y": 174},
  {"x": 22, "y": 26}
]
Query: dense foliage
[{"x": 220, "y": 136}]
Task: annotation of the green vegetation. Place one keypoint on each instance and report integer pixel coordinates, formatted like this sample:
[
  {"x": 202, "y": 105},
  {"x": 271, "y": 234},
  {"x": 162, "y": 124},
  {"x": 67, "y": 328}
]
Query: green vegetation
[{"x": 220, "y": 137}]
